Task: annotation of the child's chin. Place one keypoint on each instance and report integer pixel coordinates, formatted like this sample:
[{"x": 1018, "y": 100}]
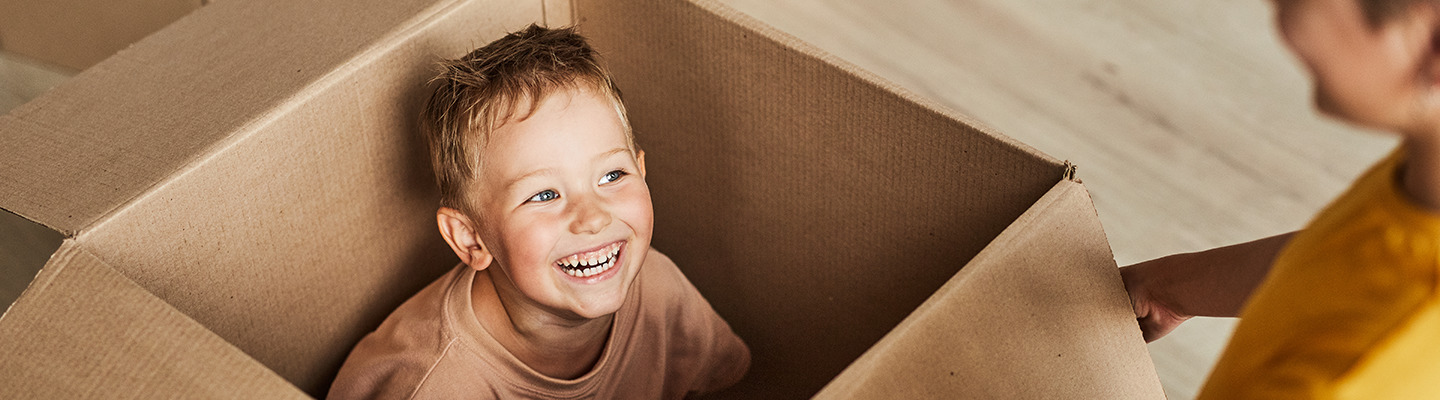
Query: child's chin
[{"x": 599, "y": 309}]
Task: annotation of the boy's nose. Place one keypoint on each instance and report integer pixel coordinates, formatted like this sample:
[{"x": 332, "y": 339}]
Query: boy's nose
[{"x": 590, "y": 217}]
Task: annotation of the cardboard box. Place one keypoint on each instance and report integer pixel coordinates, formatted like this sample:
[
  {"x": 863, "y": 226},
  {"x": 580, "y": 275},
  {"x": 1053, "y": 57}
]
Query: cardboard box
[
  {"x": 244, "y": 197},
  {"x": 76, "y": 34}
]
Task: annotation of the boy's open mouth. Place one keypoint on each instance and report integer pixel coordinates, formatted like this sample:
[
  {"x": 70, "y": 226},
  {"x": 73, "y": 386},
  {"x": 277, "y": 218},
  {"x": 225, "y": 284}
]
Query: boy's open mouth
[{"x": 588, "y": 264}]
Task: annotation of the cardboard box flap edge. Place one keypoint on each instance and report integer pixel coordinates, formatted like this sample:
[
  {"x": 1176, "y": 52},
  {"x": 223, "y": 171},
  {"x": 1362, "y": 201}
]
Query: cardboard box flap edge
[
  {"x": 76, "y": 34},
  {"x": 87, "y": 149},
  {"x": 163, "y": 169},
  {"x": 1085, "y": 334},
  {"x": 95, "y": 158},
  {"x": 84, "y": 330},
  {"x": 558, "y": 13},
  {"x": 805, "y": 49}
]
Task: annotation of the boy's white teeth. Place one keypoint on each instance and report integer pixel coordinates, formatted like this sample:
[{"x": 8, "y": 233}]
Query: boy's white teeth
[{"x": 593, "y": 264}]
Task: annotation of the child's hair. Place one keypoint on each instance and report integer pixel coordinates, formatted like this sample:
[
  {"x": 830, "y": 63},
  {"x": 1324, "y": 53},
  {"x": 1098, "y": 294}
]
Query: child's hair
[
  {"x": 1380, "y": 11},
  {"x": 479, "y": 92}
]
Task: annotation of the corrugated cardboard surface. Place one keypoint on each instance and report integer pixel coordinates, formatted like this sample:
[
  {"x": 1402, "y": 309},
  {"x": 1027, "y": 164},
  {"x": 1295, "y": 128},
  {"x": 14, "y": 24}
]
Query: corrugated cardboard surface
[
  {"x": 89, "y": 332},
  {"x": 129, "y": 123},
  {"x": 76, "y": 34},
  {"x": 255, "y": 166},
  {"x": 813, "y": 206},
  {"x": 1039, "y": 314}
]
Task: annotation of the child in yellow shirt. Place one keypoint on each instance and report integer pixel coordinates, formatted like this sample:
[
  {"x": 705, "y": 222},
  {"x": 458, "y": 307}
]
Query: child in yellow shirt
[{"x": 1347, "y": 307}]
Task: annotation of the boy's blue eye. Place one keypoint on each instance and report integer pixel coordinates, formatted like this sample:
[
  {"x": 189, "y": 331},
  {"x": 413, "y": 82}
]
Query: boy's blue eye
[
  {"x": 612, "y": 176},
  {"x": 544, "y": 196}
]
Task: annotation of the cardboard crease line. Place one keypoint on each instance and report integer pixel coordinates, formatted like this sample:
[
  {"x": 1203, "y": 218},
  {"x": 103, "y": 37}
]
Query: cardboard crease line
[{"x": 301, "y": 96}]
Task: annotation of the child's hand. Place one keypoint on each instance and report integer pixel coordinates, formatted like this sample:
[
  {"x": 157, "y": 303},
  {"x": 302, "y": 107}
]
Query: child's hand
[
  {"x": 1213, "y": 283},
  {"x": 1145, "y": 282}
]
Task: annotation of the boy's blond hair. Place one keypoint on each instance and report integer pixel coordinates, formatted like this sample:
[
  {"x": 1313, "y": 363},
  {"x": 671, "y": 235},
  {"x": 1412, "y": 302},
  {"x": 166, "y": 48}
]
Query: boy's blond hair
[{"x": 503, "y": 81}]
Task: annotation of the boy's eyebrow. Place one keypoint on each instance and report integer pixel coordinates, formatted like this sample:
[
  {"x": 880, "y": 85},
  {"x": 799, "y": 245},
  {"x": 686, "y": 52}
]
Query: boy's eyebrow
[
  {"x": 528, "y": 175},
  {"x": 544, "y": 171},
  {"x": 612, "y": 152}
]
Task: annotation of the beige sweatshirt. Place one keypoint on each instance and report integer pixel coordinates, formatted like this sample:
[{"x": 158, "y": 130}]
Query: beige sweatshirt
[{"x": 666, "y": 342}]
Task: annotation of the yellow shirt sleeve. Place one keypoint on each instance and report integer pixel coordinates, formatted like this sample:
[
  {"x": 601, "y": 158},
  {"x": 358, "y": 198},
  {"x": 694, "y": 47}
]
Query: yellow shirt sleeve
[{"x": 1349, "y": 310}]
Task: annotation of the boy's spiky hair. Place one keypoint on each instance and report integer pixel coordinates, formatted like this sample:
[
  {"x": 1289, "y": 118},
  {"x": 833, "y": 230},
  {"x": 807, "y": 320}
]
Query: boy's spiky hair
[{"x": 503, "y": 81}]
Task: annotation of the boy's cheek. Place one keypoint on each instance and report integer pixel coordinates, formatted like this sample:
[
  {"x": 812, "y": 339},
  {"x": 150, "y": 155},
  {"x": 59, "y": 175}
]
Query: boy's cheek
[
  {"x": 639, "y": 206},
  {"x": 530, "y": 240}
]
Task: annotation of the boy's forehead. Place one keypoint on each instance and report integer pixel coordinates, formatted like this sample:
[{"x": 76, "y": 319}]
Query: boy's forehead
[{"x": 561, "y": 127}]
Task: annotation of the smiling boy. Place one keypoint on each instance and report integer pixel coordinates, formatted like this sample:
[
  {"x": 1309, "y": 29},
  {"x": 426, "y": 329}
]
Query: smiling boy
[
  {"x": 558, "y": 294},
  {"x": 1349, "y": 307}
]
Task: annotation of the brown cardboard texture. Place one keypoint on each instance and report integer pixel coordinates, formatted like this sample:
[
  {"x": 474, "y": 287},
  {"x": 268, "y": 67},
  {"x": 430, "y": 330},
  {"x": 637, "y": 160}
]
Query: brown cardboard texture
[
  {"x": 76, "y": 34},
  {"x": 252, "y": 171},
  {"x": 85, "y": 322},
  {"x": 1055, "y": 309}
]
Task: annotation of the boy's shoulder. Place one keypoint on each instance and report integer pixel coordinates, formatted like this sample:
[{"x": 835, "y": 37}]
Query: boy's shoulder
[
  {"x": 660, "y": 267},
  {"x": 660, "y": 279},
  {"x": 402, "y": 353},
  {"x": 668, "y": 301},
  {"x": 677, "y": 320}
]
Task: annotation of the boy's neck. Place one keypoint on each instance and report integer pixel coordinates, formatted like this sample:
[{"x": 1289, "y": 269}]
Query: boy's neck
[{"x": 558, "y": 347}]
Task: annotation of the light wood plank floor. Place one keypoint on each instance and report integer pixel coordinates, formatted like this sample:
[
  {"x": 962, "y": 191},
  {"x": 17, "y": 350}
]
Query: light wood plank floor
[{"x": 1190, "y": 123}]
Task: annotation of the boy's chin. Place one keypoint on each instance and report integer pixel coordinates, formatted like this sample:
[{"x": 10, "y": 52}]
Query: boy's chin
[
  {"x": 600, "y": 303},
  {"x": 599, "y": 308}
]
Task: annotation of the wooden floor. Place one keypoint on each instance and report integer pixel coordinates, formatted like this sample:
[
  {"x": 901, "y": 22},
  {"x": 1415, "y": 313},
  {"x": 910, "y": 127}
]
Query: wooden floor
[{"x": 1191, "y": 125}]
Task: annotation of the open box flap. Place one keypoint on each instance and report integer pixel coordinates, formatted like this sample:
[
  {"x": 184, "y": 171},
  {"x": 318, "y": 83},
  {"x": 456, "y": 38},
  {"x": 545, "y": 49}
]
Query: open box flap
[
  {"x": 108, "y": 136},
  {"x": 79, "y": 33},
  {"x": 812, "y": 203},
  {"x": 1039, "y": 314},
  {"x": 82, "y": 330},
  {"x": 255, "y": 165}
]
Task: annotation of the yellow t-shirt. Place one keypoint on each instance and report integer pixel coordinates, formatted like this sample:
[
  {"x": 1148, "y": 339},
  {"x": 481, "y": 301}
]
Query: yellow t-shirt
[{"x": 1349, "y": 310}]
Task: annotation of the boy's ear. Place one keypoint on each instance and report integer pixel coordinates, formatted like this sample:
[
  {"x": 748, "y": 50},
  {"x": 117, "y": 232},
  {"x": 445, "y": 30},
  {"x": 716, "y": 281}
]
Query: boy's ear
[
  {"x": 640, "y": 162},
  {"x": 459, "y": 231}
]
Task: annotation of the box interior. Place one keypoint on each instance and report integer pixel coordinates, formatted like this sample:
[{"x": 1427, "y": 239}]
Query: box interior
[
  {"x": 24, "y": 247},
  {"x": 811, "y": 203},
  {"x": 250, "y": 158}
]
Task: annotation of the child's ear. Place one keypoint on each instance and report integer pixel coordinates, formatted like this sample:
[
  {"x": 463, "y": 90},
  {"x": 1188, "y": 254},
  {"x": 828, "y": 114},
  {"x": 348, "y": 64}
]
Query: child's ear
[
  {"x": 459, "y": 231},
  {"x": 640, "y": 162},
  {"x": 1429, "y": 68},
  {"x": 1431, "y": 55},
  {"x": 1431, "y": 58}
]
